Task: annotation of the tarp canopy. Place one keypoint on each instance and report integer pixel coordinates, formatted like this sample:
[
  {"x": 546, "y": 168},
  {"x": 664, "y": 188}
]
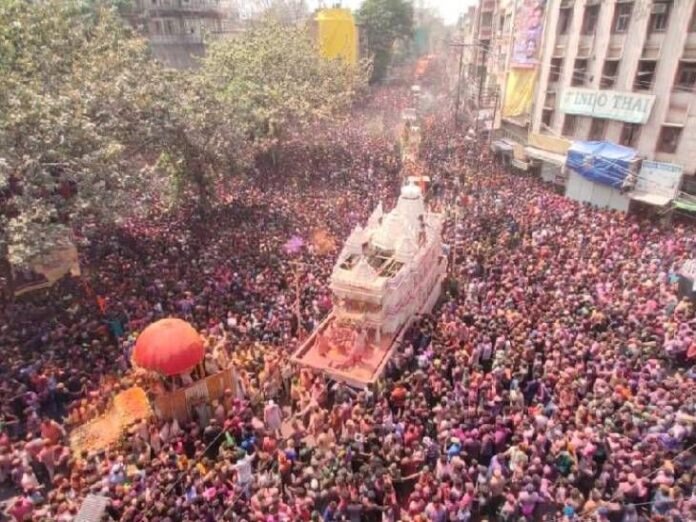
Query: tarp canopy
[
  {"x": 686, "y": 202},
  {"x": 601, "y": 161},
  {"x": 544, "y": 155}
]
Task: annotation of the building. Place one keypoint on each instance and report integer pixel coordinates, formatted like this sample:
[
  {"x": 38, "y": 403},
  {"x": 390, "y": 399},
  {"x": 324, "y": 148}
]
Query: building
[
  {"x": 177, "y": 29},
  {"x": 621, "y": 71},
  {"x": 482, "y": 66}
]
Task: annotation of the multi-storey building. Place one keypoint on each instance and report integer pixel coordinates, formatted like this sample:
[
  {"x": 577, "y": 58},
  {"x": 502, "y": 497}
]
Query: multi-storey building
[
  {"x": 622, "y": 71},
  {"x": 478, "y": 56},
  {"x": 177, "y": 29}
]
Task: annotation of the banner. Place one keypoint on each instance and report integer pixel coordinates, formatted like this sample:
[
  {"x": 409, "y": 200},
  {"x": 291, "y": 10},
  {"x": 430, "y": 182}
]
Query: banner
[
  {"x": 549, "y": 143},
  {"x": 529, "y": 27},
  {"x": 613, "y": 105},
  {"x": 519, "y": 92},
  {"x": 662, "y": 179}
]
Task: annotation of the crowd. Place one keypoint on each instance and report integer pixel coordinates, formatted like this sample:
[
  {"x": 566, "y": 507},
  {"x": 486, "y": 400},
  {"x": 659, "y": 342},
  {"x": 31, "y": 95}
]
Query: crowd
[{"x": 552, "y": 383}]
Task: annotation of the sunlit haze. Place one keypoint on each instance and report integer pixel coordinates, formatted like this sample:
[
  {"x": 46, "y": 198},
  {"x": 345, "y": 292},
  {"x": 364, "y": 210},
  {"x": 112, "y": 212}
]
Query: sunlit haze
[{"x": 448, "y": 9}]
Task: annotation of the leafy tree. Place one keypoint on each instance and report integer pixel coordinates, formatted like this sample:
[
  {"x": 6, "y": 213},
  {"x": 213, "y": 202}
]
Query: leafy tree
[
  {"x": 385, "y": 22},
  {"x": 283, "y": 11},
  {"x": 93, "y": 129},
  {"x": 64, "y": 75},
  {"x": 275, "y": 82}
]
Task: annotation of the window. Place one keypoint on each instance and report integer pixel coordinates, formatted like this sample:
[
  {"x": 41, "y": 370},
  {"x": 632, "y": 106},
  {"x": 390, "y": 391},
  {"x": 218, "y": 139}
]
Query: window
[
  {"x": 547, "y": 117},
  {"x": 486, "y": 20},
  {"x": 569, "y": 125},
  {"x": 579, "y": 72},
  {"x": 609, "y": 72},
  {"x": 686, "y": 76},
  {"x": 157, "y": 27},
  {"x": 589, "y": 22},
  {"x": 555, "y": 69},
  {"x": 597, "y": 129},
  {"x": 692, "y": 23},
  {"x": 645, "y": 75},
  {"x": 629, "y": 134},
  {"x": 669, "y": 139},
  {"x": 565, "y": 15},
  {"x": 659, "y": 16},
  {"x": 622, "y": 17}
]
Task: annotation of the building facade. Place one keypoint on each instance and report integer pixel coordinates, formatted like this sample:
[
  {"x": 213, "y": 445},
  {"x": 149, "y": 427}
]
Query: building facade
[
  {"x": 622, "y": 71},
  {"x": 177, "y": 29}
]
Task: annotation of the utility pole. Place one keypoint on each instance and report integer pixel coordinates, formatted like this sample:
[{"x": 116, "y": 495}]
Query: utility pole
[
  {"x": 495, "y": 111},
  {"x": 457, "y": 101},
  {"x": 459, "y": 85}
]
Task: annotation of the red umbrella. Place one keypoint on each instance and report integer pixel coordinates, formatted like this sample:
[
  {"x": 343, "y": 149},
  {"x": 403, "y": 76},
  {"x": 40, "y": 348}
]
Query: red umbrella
[{"x": 168, "y": 346}]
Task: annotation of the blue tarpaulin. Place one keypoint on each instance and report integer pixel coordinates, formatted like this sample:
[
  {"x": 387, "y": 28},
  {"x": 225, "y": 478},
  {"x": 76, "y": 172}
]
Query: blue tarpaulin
[{"x": 601, "y": 161}]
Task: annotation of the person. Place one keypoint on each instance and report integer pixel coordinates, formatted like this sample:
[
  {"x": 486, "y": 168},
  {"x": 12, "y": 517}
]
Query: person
[
  {"x": 578, "y": 411},
  {"x": 245, "y": 473},
  {"x": 273, "y": 417}
]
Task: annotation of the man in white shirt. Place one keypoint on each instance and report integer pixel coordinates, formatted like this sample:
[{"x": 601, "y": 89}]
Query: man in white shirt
[{"x": 245, "y": 473}]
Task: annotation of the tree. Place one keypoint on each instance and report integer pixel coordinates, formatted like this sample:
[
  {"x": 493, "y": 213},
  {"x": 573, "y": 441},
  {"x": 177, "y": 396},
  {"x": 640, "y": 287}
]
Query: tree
[
  {"x": 65, "y": 73},
  {"x": 283, "y": 11},
  {"x": 92, "y": 129},
  {"x": 276, "y": 83},
  {"x": 385, "y": 22}
]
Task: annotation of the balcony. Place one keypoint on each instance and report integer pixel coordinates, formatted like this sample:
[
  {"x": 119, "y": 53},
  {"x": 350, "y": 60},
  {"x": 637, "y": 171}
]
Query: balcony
[
  {"x": 206, "y": 8},
  {"x": 655, "y": 40},
  {"x": 176, "y": 39},
  {"x": 651, "y": 50},
  {"x": 679, "y": 107},
  {"x": 485, "y": 32},
  {"x": 616, "y": 46},
  {"x": 585, "y": 46},
  {"x": 488, "y": 6}
]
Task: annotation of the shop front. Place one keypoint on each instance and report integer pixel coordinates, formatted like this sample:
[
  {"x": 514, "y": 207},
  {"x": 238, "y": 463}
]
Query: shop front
[{"x": 601, "y": 173}]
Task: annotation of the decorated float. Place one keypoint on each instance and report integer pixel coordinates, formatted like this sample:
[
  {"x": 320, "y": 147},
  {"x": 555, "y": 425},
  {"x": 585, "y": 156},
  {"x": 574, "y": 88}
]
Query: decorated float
[
  {"x": 387, "y": 272},
  {"x": 164, "y": 351}
]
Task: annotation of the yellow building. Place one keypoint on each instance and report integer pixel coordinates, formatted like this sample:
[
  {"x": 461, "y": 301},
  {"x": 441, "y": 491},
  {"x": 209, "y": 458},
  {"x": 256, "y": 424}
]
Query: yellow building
[{"x": 337, "y": 34}]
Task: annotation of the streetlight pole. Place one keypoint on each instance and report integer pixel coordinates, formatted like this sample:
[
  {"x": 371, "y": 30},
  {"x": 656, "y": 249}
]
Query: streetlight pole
[{"x": 459, "y": 85}]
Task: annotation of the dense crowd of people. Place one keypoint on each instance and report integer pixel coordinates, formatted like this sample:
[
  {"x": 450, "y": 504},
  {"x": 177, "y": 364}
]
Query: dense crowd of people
[{"x": 553, "y": 382}]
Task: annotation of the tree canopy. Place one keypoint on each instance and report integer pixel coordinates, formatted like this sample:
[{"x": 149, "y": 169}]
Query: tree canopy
[
  {"x": 385, "y": 22},
  {"x": 276, "y": 81},
  {"x": 92, "y": 128},
  {"x": 67, "y": 78}
]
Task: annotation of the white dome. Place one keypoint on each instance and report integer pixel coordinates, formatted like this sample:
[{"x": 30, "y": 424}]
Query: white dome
[
  {"x": 389, "y": 232},
  {"x": 410, "y": 192}
]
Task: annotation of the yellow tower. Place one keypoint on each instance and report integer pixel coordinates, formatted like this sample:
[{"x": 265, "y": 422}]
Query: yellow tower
[{"x": 337, "y": 35}]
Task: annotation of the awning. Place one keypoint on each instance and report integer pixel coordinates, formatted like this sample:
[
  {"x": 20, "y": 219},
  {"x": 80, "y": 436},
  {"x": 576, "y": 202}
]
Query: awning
[
  {"x": 684, "y": 203},
  {"x": 519, "y": 164},
  {"x": 502, "y": 145},
  {"x": 659, "y": 200},
  {"x": 543, "y": 155}
]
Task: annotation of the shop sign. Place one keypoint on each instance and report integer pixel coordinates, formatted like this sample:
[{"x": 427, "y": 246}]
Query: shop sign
[{"x": 613, "y": 105}]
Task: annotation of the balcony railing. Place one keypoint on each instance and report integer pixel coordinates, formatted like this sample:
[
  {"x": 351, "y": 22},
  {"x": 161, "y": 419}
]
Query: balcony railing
[
  {"x": 176, "y": 38},
  {"x": 488, "y": 6}
]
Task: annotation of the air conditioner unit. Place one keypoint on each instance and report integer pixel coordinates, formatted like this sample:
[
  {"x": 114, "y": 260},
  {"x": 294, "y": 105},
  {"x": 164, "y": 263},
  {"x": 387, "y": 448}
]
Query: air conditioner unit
[{"x": 659, "y": 8}]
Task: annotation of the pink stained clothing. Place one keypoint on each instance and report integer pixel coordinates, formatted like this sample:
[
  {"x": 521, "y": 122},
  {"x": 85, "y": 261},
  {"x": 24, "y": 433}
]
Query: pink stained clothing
[{"x": 273, "y": 416}]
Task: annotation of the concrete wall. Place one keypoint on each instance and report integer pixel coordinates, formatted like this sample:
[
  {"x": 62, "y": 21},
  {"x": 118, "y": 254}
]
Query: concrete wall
[
  {"x": 602, "y": 196},
  {"x": 668, "y": 47}
]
